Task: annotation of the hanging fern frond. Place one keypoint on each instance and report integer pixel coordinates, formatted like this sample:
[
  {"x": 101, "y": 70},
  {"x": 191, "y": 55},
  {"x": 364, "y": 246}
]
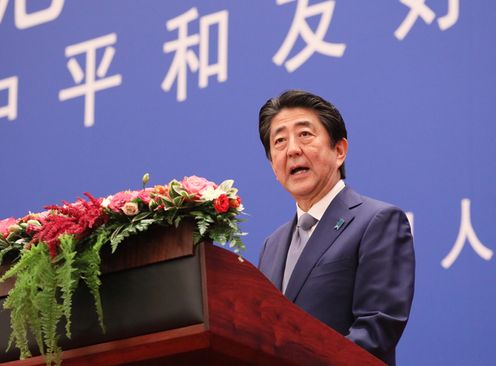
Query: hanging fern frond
[
  {"x": 128, "y": 230},
  {"x": 21, "y": 308},
  {"x": 45, "y": 301},
  {"x": 89, "y": 263},
  {"x": 67, "y": 277}
]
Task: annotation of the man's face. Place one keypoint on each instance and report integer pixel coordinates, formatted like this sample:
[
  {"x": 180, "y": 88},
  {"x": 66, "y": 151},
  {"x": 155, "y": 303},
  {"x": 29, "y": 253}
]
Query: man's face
[{"x": 302, "y": 157}]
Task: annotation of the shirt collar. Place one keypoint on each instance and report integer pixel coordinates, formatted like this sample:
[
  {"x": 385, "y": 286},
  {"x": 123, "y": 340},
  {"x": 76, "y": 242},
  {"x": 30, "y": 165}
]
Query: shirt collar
[{"x": 318, "y": 209}]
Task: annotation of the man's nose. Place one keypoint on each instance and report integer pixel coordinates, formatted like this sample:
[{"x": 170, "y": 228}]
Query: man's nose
[{"x": 294, "y": 148}]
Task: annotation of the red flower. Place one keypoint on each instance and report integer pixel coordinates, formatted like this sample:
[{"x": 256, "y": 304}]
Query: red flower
[
  {"x": 235, "y": 203},
  {"x": 221, "y": 204},
  {"x": 75, "y": 219}
]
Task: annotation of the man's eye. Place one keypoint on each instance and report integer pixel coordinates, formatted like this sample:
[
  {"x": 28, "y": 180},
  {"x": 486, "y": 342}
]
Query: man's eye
[
  {"x": 278, "y": 141},
  {"x": 305, "y": 134}
]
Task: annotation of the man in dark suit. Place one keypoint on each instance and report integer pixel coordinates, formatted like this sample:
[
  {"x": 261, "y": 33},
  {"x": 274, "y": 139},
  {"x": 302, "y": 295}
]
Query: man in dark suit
[{"x": 346, "y": 259}]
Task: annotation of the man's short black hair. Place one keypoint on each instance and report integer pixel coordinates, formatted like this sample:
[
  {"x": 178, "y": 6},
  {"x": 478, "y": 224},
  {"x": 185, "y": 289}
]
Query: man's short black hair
[{"x": 328, "y": 115}]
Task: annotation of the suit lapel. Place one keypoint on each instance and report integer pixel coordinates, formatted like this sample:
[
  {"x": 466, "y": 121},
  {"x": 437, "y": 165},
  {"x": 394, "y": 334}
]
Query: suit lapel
[{"x": 335, "y": 220}]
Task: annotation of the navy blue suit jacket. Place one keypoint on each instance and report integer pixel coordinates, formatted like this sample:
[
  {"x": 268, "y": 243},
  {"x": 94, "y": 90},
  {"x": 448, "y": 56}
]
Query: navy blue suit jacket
[{"x": 358, "y": 278}]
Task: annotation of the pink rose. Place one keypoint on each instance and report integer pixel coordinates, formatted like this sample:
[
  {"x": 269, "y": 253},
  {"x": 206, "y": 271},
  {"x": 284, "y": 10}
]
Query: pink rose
[
  {"x": 195, "y": 185},
  {"x": 143, "y": 195},
  {"x": 5, "y": 224},
  {"x": 120, "y": 199}
]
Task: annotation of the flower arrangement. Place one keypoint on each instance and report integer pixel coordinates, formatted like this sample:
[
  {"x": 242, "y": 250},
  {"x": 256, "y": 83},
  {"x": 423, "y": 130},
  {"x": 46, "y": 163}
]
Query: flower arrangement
[{"x": 60, "y": 247}]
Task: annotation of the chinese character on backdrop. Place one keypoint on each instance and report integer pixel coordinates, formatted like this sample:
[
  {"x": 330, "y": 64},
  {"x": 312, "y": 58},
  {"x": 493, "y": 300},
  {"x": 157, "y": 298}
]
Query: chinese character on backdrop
[
  {"x": 314, "y": 39},
  {"x": 186, "y": 59},
  {"x": 94, "y": 76},
  {"x": 10, "y": 85},
  {"x": 24, "y": 20},
  {"x": 466, "y": 233},
  {"x": 418, "y": 9}
]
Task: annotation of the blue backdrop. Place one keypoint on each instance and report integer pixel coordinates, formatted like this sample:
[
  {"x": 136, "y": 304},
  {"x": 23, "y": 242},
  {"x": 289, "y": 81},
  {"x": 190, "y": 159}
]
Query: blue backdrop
[{"x": 95, "y": 93}]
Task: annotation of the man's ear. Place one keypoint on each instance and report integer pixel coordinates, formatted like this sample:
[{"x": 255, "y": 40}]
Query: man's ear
[{"x": 341, "y": 148}]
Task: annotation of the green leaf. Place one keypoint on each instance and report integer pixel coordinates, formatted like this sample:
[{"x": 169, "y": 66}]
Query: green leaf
[
  {"x": 174, "y": 189},
  {"x": 89, "y": 262},
  {"x": 202, "y": 226},
  {"x": 226, "y": 185},
  {"x": 141, "y": 216},
  {"x": 178, "y": 201},
  {"x": 202, "y": 216},
  {"x": 126, "y": 231},
  {"x": 167, "y": 202},
  {"x": 19, "y": 303},
  {"x": 28, "y": 260},
  {"x": 186, "y": 195},
  {"x": 117, "y": 231},
  {"x": 67, "y": 277},
  {"x": 33, "y": 303}
]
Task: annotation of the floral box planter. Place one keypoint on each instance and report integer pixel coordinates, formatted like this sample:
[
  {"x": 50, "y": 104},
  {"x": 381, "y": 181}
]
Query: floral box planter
[{"x": 152, "y": 283}]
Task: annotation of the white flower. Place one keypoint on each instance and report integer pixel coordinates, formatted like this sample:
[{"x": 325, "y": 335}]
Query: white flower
[
  {"x": 210, "y": 194},
  {"x": 130, "y": 208},
  {"x": 106, "y": 201}
]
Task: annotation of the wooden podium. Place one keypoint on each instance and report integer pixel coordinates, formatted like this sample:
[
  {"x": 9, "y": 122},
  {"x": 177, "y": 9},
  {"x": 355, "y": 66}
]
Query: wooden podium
[{"x": 168, "y": 303}]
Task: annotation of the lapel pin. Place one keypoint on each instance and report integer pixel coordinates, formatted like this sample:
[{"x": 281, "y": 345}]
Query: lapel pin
[{"x": 339, "y": 223}]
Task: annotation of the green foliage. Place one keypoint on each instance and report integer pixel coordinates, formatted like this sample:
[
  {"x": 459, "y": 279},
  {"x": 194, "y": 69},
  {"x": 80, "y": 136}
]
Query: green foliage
[
  {"x": 203, "y": 221},
  {"x": 67, "y": 275},
  {"x": 8, "y": 245},
  {"x": 43, "y": 293},
  {"x": 89, "y": 263},
  {"x": 219, "y": 228},
  {"x": 174, "y": 189},
  {"x": 20, "y": 316},
  {"x": 123, "y": 231},
  {"x": 34, "y": 305}
]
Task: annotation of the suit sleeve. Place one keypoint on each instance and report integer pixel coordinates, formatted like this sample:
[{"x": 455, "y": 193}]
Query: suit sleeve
[
  {"x": 261, "y": 255},
  {"x": 384, "y": 282}
]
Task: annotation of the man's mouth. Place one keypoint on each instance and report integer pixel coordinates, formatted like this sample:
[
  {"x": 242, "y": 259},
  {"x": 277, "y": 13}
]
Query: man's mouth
[{"x": 298, "y": 170}]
